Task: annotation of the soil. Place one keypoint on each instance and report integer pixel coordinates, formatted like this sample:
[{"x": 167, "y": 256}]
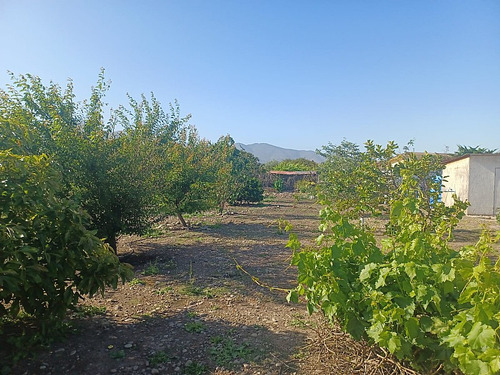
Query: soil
[{"x": 191, "y": 310}]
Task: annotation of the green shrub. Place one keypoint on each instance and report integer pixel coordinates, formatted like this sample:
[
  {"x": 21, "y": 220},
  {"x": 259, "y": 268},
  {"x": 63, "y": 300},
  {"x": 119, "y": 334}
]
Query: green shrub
[
  {"x": 158, "y": 358},
  {"x": 300, "y": 164},
  {"x": 251, "y": 191},
  {"x": 49, "y": 259},
  {"x": 152, "y": 269},
  {"x": 278, "y": 185},
  {"x": 413, "y": 294},
  {"x": 306, "y": 187}
]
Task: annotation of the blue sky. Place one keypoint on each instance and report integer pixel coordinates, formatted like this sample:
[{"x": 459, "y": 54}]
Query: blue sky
[{"x": 296, "y": 74}]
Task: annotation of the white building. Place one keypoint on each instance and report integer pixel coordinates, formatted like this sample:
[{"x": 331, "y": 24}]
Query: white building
[{"x": 475, "y": 178}]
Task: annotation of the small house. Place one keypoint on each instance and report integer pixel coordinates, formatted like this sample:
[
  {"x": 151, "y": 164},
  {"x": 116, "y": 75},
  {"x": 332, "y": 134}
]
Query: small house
[{"x": 475, "y": 178}]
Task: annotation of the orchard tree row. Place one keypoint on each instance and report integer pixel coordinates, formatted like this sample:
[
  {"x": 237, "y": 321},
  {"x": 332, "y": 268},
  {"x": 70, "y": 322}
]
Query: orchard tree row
[{"x": 72, "y": 175}]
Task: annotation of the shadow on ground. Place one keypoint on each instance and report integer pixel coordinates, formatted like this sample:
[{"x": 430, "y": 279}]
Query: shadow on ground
[{"x": 178, "y": 342}]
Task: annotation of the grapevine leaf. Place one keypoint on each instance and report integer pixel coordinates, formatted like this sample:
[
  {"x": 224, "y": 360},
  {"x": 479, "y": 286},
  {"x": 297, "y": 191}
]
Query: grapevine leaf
[
  {"x": 426, "y": 323},
  {"x": 396, "y": 210},
  {"x": 367, "y": 271},
  {"x": 411, "y": 327},
  {"x": 468, "y": 293},
  {"x": 453, "y": 339},
  {"x": 394, "y": 343},
  {"x": 381, "y": 280},
  {"x": 492, "y": 356},
  {"x": 410, "y": 270},
  {"x": 374, "y": 330},
  {"x": 476, "y": 366},
  {"x": 481, "y": 337},
  {"x": 355, "y": 327},
  {"x": 292, "y": 296},
  {"x": 311, "y": 308}
]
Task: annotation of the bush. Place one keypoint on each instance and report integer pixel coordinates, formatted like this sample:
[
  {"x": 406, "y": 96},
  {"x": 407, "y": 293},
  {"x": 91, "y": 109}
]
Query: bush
[
  {"x": 109, "y": 173},
  {"x": 306, "y": 187},
  {"x": 300, "y": 164},
  {"x": 413, "y": 294},
  {"x": 278, "y": 185},
  {"x": 49, "y": 259},
  {"x": 250, "y": 192}
]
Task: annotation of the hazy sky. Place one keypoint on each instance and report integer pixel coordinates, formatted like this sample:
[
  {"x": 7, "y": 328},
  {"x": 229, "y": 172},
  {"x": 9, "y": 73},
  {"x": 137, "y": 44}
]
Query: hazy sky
[{"x": 296, "y": 74}]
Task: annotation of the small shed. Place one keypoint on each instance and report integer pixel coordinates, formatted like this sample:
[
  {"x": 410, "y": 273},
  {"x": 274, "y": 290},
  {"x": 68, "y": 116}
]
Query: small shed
[{"x": 476, "y": 178}]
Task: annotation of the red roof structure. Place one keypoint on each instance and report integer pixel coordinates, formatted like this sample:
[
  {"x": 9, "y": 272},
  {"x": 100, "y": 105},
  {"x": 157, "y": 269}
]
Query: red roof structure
[{"x": 294, "y": 173}]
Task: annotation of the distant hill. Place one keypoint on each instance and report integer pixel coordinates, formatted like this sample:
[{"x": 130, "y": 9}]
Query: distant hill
[{"x": 266, "y": 152}]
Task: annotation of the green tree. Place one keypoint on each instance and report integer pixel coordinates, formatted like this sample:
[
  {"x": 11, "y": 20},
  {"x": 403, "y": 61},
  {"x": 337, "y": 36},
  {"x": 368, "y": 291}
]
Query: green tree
[
  {"x": 236, "y": 174},
  {"x": 250, "y": 192},
  {"x": 354, "y": 182},
  {"x": 184, "y": 184},
  {"x": 293, "y": 165},
  {"x": 225, "y": 180},
  {"x": 247, "y": 171},
  {"x": 101, "y": 168},
  {"x": 465, "y": 150},
  {"x": 49, "y": 259},
  {"x": 337, "y": 182}
]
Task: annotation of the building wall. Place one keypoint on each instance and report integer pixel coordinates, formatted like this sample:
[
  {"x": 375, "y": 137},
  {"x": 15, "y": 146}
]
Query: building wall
[
  {"x": 474, "y": 178},
  {"x": 482, "y": 184},
  {"x": 456, "y": 175}
]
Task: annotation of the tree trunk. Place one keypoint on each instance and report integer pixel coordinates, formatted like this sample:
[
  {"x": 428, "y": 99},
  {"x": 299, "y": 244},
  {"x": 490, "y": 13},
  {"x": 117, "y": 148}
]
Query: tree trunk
[
  {"x": 181, "y": 219},
  {"x": 111, "y": 241},
  {"x": 222, "y": 205}
]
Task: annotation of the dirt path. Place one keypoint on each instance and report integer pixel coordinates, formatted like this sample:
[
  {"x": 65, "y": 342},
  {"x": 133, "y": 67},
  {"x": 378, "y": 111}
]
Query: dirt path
[{"x": 191, "y": 311}]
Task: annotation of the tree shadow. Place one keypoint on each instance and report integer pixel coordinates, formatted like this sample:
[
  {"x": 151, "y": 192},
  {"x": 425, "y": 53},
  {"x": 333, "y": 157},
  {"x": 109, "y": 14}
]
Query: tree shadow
[
  {"x": 171, "y": 342},
  {"x": 210, "y": 266}
]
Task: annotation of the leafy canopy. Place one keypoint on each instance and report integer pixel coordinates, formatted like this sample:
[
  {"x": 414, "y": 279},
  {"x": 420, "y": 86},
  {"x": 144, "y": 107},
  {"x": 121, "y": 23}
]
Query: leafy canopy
[
  {"x": 293, "y": 165},
  {"x": 465, "y": 150},
  {"x": 102, "y": 170},
  {"x": 49, "y": 259}
]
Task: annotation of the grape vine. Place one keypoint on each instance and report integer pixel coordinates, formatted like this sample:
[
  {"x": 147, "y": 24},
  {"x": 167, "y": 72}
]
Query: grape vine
[{"x": 428, "y": 304}]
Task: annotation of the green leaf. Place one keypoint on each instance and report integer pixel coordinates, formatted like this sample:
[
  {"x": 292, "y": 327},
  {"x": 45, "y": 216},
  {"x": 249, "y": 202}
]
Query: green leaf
[
  {"x": 354, "y": 326},
  {"x": 311, "y": 308},
  {"x": 453, "y": 339},
  {"x": 292, "y": 296},
  {"x": 476, "y": 367},
  {"x": 481, "y": 337},
  {"x": 412, "y": 328},
  {"x": 426, "y": 323},
  {"x": 367, "y": 271},
  {"x": 396, "y": 209},
  {"x": 394, "y": 344},
  {"x": 410, "y": 270},
  {"x": 492, "y": 357},
  {"x": 382, "y": 275}
]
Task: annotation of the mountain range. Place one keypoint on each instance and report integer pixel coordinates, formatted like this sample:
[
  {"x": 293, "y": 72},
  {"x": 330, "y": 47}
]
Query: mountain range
[{"x": 266, "y": 152}]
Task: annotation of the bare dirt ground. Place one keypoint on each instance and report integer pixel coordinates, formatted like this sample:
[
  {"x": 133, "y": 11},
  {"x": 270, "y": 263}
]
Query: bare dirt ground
[{"x": 189, "y": 310}]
